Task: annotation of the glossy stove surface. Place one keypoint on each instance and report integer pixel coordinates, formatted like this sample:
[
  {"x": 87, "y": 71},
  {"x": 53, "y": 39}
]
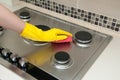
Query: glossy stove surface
[{"x": 72, "y": 59}]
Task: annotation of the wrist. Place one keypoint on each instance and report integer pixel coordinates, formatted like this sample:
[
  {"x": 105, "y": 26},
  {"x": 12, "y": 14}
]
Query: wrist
[{"x": 21, "y": 27}]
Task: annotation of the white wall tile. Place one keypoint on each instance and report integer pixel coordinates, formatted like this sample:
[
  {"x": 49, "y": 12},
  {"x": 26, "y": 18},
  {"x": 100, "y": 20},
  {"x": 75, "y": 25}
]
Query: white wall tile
[
  {"x": 106, "y": 7},
  {"x": 110, "y": 8},
  {"x": 9, "y": 2}
]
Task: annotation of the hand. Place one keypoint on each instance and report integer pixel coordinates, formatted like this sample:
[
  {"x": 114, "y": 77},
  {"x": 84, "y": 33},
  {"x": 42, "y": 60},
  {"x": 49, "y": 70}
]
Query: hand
[
  {"x": 36, "y": 34},
  {"x": 55, "y": 34}
]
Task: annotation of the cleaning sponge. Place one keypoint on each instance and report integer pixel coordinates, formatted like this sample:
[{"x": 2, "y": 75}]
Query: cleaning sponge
[{"x": 68, "y": 39}]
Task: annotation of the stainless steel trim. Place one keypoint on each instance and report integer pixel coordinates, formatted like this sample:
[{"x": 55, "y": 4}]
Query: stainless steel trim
[{"x": 16, "y": 70}]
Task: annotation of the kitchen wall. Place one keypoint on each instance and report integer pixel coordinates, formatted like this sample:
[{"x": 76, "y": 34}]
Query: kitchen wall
[
  {"x": 104, "y": 7},
  {"x": 10, "y": 2},
  {"x": 6, "y": 1},
  {"x": 104, "y": 13}
]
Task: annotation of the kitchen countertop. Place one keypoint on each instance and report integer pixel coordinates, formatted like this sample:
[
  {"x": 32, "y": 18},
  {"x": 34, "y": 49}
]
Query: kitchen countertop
[{"x": 107, "y": 65}]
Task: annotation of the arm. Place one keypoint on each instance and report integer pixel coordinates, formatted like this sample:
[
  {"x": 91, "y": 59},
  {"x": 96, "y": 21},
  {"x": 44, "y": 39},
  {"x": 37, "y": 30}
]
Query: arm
[
  {"x": 27, "y": 30},
  {"x": 10, "y": 20}
]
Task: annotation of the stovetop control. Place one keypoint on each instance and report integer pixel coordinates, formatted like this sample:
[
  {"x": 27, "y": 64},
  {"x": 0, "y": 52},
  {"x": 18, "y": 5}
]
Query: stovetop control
[
  {"x": 24, "y": 65},
  {"x": 5, "y": 53},
  {"x": 1, "y": 30},
  {"x": 14, "y": 58}
]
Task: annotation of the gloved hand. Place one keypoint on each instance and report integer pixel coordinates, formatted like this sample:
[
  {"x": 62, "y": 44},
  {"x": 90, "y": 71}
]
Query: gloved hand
[{"x": 36, "y": 34}]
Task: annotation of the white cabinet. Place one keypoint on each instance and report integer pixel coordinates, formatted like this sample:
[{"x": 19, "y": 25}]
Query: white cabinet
[{"x": 6, "y": 74}]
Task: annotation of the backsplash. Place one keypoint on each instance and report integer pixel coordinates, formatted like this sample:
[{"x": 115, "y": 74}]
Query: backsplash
[{"x": 76, "y": 13}]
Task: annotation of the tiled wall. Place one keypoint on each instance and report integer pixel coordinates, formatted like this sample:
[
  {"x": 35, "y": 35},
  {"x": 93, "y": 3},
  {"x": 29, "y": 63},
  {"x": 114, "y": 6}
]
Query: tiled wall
[{"x": 69, "y": 8}]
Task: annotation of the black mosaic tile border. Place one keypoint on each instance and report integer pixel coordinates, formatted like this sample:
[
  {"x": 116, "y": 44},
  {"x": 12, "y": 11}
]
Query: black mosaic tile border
[{"x": 90, "y": 17}]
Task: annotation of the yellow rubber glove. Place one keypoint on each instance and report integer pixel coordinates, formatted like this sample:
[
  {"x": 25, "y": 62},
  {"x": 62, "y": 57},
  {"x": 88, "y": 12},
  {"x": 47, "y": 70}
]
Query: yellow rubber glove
[{"x": 36, "y": 34}]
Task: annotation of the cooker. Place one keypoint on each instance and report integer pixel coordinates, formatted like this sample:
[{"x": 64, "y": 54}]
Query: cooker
[{"x": 35, "y": 60}]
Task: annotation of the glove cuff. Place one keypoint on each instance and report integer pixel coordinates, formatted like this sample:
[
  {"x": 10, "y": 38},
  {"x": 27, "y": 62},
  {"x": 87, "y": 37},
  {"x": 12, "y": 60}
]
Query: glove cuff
[
  {"x": 26, "y": 29},
  {"x": 30, "y": 31}
]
